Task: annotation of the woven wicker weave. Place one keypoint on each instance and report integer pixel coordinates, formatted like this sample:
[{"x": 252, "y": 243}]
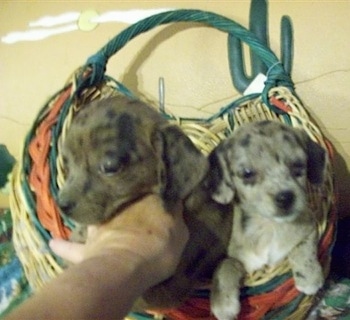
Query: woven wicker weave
[{"x": 268, "y": 293}]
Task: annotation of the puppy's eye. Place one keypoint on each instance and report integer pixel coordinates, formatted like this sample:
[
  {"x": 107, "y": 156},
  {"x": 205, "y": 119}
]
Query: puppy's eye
[
  {"x": 298, "y": 169},
  {"x": 109, "y": 166},
  {"x": 248, "y": 175}
]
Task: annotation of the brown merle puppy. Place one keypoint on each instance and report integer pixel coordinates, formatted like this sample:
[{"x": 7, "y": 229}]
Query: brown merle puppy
[
  {"x": 264, "y": 168},
  {"x": 118, "y": 150}
]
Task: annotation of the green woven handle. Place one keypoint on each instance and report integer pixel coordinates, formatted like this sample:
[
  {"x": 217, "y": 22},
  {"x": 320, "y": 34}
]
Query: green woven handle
[{"x": 276, "y": 74}]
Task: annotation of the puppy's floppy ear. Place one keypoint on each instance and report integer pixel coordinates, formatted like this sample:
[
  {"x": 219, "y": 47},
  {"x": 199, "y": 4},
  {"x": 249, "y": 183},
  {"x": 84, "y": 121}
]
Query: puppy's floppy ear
[
  {"x": 219, "y": 180},
  {"x": 185, "y": 166},
  {"x": 316, "y": 162}
]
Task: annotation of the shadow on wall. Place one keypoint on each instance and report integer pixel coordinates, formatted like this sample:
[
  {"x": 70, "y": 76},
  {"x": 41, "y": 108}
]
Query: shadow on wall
[{"x": 131, "y": 79}]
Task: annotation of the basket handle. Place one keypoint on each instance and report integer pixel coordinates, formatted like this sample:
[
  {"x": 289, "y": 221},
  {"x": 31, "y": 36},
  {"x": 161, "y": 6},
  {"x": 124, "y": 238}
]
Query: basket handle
[{"x": 276, "y": 74}]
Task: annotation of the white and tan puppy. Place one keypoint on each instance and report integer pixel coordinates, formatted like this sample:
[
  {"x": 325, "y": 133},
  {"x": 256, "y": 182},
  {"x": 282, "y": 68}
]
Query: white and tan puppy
[{"x": 264, "y": 168}]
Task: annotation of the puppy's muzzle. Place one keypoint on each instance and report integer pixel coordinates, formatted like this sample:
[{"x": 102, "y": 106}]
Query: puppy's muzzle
[{"x": 285, "y": 199}]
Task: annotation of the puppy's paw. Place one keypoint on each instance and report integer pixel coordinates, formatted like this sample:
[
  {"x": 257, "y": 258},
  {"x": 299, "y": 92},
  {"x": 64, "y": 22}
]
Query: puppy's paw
[
  {"x": 225, "y": 306},
  {"x": 309, "y": 282}
]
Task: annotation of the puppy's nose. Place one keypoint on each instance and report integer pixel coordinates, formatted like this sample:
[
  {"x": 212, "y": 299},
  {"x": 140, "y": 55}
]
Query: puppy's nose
[
  {"x": 66, "y": 206},
  {"x": 284, "y": 199}
]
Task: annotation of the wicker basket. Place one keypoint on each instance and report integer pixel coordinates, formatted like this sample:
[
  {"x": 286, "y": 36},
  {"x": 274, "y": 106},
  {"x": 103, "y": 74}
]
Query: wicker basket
[{"x": 268, "y": 293}]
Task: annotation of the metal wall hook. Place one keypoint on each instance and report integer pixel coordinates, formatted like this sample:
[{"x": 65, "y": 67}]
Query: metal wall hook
[{"x": 161, "y": 94}]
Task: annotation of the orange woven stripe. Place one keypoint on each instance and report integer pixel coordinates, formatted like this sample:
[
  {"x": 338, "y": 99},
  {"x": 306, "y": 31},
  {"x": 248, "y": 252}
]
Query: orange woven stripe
[
  {"x": 39, "y": 177},
  {"x": 255, "y": 307},
  {"x": 327, "y": 239},
  {"x": 330, "y": 148},
  {"x": 280, "y": 104},
  {"x": 329, "y": 234},
  {"x": 192, "y": 309}
]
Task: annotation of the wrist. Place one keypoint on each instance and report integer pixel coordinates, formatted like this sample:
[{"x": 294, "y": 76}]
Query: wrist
[
  {"x": 119, "y": 274},
  {"x": 138, "y": 272}
]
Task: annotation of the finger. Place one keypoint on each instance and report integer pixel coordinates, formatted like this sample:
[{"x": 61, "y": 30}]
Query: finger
[
  {"x": 91, "y": 231},
  {"x": 70, "y": 251}
]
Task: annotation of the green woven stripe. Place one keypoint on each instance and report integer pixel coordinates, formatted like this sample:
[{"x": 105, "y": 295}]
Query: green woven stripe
[
  {"x": 212, "y": 19},
  {"x": 267, "y": 286}
]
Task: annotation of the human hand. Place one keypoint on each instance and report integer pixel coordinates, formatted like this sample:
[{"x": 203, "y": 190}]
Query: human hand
[
  {"x": 145, "y": 233},
  {"x": 123, "y": 258},
  {"x": 71, "y": 251}
]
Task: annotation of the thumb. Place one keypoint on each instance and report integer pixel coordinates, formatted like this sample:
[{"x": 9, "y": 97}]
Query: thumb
[{"x": 70, "y": 251}]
